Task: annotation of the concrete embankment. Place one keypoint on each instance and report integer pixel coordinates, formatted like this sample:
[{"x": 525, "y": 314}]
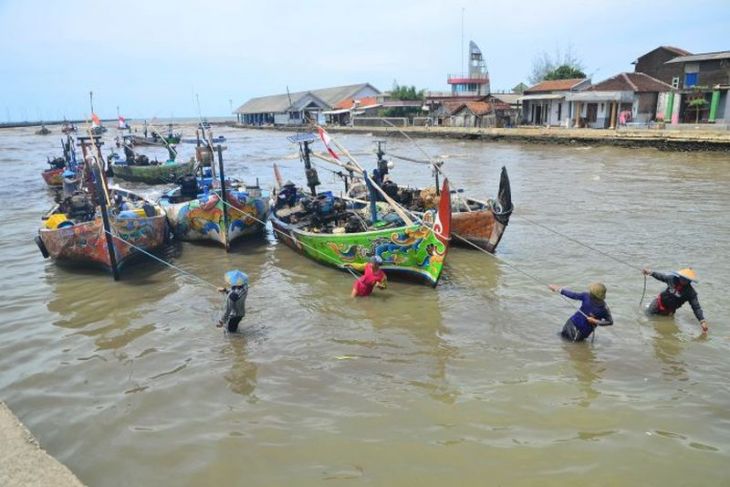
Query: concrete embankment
[
  {"x": 23, "y": 462},
  {"x": 682, "y": 139}
]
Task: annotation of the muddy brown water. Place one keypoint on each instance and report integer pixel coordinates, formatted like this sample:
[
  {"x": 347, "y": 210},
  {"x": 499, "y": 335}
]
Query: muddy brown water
[{"x": 130, "y": 383}]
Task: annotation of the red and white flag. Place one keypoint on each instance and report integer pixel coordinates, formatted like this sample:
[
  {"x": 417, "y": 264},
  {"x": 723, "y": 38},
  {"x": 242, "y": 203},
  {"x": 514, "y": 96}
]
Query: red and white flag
[
  {"x": 95, "y": 121},
  {"x": 326, "y": 140},
  {"x": 122, "y": 122}
]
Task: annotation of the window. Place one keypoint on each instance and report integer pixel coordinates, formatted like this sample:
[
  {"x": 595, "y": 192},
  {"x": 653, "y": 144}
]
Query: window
[
  {"x": 294, "y": 115},
  {"x": 690, "y": 80},
  {"x": 560, "y": 110},
  {"x": 675, "y": 82}
]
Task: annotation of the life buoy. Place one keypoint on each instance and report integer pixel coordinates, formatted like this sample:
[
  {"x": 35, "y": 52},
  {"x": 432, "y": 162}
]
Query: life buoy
[{"x": 41, "y": 246}]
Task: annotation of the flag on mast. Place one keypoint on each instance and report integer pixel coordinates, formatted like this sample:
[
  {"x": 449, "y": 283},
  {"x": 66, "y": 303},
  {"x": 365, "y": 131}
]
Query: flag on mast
[
  {"x": 122, "y": 122},
  {"x": 326, "y": 140},
  {"x": 95, "y": 121}
]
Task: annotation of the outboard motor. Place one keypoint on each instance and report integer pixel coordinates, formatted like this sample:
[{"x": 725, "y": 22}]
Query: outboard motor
[{"x": 189, "y": 186}]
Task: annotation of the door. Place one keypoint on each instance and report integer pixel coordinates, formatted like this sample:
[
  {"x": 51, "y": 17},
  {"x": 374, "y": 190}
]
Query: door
[{"x": 591, "y": 113}]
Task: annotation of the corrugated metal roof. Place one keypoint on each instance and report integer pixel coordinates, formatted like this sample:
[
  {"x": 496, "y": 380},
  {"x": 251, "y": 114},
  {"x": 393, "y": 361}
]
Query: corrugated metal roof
[
  {"x": 707, "y": 56},
  {"x": 280, "y": 103},
  {"x": 595, "y": 96}
]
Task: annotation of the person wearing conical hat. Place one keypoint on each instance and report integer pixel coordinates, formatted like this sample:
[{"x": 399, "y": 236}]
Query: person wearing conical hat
[
  {"x": 235, "y": 301},
  {"x": 679, "y": 290},
  {"x": 593, "y": 312}
]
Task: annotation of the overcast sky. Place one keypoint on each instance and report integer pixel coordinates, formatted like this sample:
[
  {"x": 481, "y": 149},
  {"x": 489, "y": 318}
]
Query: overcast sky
[{"x": 150, "y": 57}]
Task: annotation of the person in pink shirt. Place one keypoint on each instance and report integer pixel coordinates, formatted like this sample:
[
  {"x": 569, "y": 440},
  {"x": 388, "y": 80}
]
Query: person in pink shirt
[{"x": 372, "y": 277}]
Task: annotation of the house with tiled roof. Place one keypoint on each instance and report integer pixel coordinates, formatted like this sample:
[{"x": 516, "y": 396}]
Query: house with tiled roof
[
  {"x": 620, "y": 100},
  {"x": 545, "y": 104}
]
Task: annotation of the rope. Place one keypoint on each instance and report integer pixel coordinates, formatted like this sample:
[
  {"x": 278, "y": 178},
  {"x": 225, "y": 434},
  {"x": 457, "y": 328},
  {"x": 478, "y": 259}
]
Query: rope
[
  {"x": 643, "y": 293},
  {"x": 162, "y": 261},
  {"x": 605, "y": 254},
  {"x": 253, "y": 217},
  {"x": 512, "y": 266}
]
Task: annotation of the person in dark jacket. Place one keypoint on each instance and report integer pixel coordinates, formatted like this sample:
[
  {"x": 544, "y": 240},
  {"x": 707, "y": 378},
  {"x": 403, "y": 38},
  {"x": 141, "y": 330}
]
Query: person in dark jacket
[
  {"x": 679, "y": 290},
  {"x": 593, "y": 312},
  {"x": 236, "y": 300}
]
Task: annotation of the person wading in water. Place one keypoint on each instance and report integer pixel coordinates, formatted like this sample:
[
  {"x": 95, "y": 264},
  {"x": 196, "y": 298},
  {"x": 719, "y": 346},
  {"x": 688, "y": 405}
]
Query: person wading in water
[
  {"x": 593, "y": 312},
  {"x": 679, "y": 290},
  {"x": 372, "y": 277},
  {"x": 236, "y": 300}
]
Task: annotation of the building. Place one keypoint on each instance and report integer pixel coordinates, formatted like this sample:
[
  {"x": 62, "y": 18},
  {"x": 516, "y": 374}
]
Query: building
[
  {"x": 654, "y": 64},
  {"x": 545, "y": 103},
  {"x": 701, "y": 82},
  {"x": 476, "y": 80},
  {"x": 300, "y": 107},
  {"x": 706, "y": 78},
  {"x": 621, "y": 99}
]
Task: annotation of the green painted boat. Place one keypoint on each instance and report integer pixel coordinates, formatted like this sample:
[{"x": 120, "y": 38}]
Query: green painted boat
[
  {"x": 319, "y": 228},
  {"x": 163, "y": 173}
]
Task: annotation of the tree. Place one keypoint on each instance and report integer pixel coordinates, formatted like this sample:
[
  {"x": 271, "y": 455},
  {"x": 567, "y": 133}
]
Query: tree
[
  {"x": 407, "y": 93},
  {"x": 565, "y": 72},
  {"x": 698, "y": 102},
  {"x": 543, "y": 64}
]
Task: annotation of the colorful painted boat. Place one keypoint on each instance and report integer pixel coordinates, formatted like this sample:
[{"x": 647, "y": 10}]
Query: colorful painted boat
[
  {"x": 203, "y": 216},
  {"x": 53, "y": 176},
  {"x": 73, "y": 232},
  {"x": 163, "y": 173},
  {"x": 417, "y": 251}
]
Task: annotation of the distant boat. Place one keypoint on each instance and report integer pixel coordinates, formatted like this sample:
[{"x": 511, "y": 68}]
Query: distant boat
[
  {"x": 42, "y": 131},
  {"x": 138, "y": 168},
  {"x": 68, "y": 128},
  {"x": 53, "y": 176},
  {"x": 215, "y": 140}
]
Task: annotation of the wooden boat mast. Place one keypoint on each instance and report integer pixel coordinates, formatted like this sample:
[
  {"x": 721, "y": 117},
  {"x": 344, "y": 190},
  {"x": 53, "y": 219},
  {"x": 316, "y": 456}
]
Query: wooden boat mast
[{"x": 223, "y": 195}]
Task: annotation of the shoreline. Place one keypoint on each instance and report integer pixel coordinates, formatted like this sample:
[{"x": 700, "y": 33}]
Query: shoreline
[
  {"x": 682, "y": 139},
  {"x": 23, "y": 461}
]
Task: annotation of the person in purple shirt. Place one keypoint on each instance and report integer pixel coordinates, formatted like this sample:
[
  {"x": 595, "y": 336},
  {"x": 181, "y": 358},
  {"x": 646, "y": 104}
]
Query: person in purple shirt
[{"x": 593, "y": 312}]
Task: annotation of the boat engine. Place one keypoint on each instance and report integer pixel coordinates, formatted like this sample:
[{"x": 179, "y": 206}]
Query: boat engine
[{"x": 79, "y": 207}]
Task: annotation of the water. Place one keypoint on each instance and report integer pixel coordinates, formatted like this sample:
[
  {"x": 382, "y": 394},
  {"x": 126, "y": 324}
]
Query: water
[{"x": 130, "y": 383}]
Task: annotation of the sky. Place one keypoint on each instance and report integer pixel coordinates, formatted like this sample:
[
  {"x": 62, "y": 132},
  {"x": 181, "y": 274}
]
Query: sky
[{"x": 151, "y": 57}]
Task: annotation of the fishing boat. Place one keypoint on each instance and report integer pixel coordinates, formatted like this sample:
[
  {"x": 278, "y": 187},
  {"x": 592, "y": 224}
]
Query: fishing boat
[
  {"x": 139, "y": 168},
  {"x": 43, "y": 130},
  {"x": 474, "y": 223},
  {"x": 101, "y": 226},
  {"x": 53, "y": 176},
  {"x": 205, "y": 216},
  {"x": 199, "y": 211},
  {"x": 213, "y": 140},
  {"x": 329, "y": 230},
  {"x": 68, "y": 128},
  {"x": 154, "y": 138}
]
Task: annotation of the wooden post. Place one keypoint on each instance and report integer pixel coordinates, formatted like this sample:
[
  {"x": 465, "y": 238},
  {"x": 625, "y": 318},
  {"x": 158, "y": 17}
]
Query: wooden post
[
  {"x": 223, "y": 194},
  {"x": 614, "y": 109},
  {"x": 577, "y": 114},
  {"x": 101, "y": 199}
]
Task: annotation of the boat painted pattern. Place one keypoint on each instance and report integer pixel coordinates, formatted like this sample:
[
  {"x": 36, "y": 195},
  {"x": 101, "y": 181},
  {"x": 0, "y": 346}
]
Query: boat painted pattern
[
  {"x": 203, "y": 218},
  {"x": 53, "y": 177},
  {"x": 86, "y": 242},
  {"x": 153, "y": 174}
]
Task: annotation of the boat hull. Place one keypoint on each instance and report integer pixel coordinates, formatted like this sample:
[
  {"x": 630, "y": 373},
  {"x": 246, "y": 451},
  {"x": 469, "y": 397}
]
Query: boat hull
[
  {"x": 53, "y": 177},
  {"x": 203, "y": 219},
  {"x": 85, "y": 243},
  {"x": 154, "y": 174},
  {"x": 413, "y": 251},
  {"x": 479, "y": 227}
]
